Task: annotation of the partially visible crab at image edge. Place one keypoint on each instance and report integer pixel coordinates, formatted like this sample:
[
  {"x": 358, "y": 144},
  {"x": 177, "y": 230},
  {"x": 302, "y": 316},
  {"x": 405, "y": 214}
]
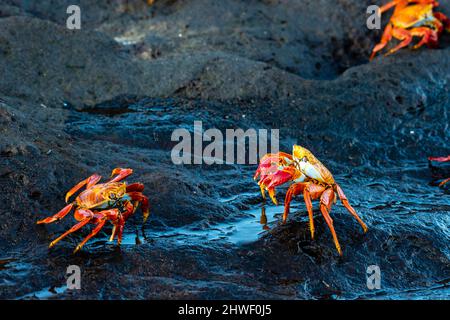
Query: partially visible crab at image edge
[
  {"x": 310, "y": 178},
  {"x": 441, "y": 159},
  {"x": 113, "y": 201},
  {"x": 412, "y": 18}
]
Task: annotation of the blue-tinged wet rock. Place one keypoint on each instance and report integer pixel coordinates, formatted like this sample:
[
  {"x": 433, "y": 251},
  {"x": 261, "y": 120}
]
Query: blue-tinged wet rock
[{"x": 77, "y": 102}]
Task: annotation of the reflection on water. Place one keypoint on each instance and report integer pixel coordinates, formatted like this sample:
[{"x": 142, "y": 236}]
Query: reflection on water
[
  {"x": 246, "y": 230},
  {"x": 46, "y": 293},
  {"x": 263, "y": 219}
]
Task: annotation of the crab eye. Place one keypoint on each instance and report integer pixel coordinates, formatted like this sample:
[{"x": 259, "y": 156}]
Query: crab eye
[
  {"x": 304, "y": 159},
  {"x": 112, "y": 196}
]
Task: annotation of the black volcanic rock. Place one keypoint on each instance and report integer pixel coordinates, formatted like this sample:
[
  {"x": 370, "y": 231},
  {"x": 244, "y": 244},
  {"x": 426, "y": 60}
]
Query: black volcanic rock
[{"x": 77, "y": 102}]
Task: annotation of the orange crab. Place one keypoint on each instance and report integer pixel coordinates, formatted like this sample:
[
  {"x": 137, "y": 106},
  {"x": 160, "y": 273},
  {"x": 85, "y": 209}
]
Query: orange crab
[
  {"x": 441, "y": 159},
  {"x": 412, "y": 18},
  {"x": 310, "y": 178},
  {"x": 114, "y": 201}
]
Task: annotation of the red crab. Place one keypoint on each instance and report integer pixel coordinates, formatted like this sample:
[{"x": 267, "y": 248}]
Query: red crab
[
  {"x": 114, "y": 201},
  {"x": 412, "y": 18},
  {"x": 441, "y": 159}
]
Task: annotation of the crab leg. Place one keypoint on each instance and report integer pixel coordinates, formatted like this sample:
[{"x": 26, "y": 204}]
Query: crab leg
[
  {"x": 92, "y": 180},
  {"x": 444, "y": 19},
  {"x": 113, "y": 233},
  {"x": 138, "y": 187},
  {"x": 61, "y": 214},
  {"x": 387, "y": 36},
  {"x": 99, "y": 226},
  {"x": 326, "y": 200},
  {"x": 121, "y": 174},
  {"x": 120, "y": 232},
  {"x": 311, "y": 192},
  {"x": 439, "y": 159},
  {"x": 275, "y": 178},
  {"x": 119, "y": 223},
  {"x": 444, "y": 182},
  {"x": 404, "y": 36},
  {"x": 76, "y": 227},
  {"x": 347, "y": 205},
  {"x": 101, "y": 218},
  {"x": 143, "y": 200},
  {"x": 429, "y": 37},
  {"x": 404, "y": 3},
  {"x": 271, "y": 163}
]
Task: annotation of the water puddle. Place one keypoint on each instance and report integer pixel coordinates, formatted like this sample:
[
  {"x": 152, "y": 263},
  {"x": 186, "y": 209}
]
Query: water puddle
[
  {"x": 46, "y": 293},
  {"x": 238, "y": 232}
]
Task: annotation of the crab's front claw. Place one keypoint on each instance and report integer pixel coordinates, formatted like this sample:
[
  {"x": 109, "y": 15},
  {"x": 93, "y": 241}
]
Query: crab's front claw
[
  {"x": 441, "y": 159},
  {"x": 271, "y": 163},
  {"x": 275, "y": 178},
  {"x": 121, "y": 174}
]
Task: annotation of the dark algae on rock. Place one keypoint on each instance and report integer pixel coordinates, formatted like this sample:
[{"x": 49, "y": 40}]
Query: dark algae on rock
[{"x": 78, "y": 102}]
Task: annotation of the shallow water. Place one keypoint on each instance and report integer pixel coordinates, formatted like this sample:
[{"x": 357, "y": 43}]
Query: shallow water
[{"x": 237, "y": 231}]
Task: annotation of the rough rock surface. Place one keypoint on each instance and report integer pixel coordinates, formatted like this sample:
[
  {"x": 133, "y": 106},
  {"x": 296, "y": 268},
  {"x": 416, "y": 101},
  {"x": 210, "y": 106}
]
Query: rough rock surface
[{"x": 77, "y": 102}]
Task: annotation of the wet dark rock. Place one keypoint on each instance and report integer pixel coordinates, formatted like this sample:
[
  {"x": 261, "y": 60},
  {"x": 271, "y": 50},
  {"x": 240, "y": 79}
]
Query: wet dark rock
[{"x": 77, "y": 102}]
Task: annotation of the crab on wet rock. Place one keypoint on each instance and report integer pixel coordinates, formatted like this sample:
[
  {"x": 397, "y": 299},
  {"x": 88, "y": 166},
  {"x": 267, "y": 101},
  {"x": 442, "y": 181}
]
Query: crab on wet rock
[
  {"x": 113, "y": 201},
  {"x": 309, "y": 177},
  {"x": 412, "y": 18}
]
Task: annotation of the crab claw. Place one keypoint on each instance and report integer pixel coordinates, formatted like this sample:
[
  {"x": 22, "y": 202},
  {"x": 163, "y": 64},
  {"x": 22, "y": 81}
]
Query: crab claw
[
  {"x": 279, "y": 177},
  {"x": 274, "y": 170},
  {"x": 440, "y": 159},
  {"x": 270, "y": 162},
  {"x": 121, "y": 174}
]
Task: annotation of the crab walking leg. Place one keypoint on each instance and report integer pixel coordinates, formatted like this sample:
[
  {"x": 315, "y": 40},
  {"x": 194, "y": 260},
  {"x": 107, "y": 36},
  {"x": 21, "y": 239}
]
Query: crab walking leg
[
  {"x": 429, "y": 37},
  {"x": 404, "y": 3},
  {"x": 121, "y": 174},
  {"x": 425, "y": 33},
  {"x": 121, "y": 225},
  {"x": 76, "y": 227},
  {"x": 347, "y": 205},
  {"x": 89, "y": 182},
  {"x": 326, "y": 200},
  {"x": 439, "y": 159},
  {"x": 311, "y": 192},
  {"x": 138, "y": 187},
  {"x": 114, "y": 216},
  {"x": 113, "y": 233},
  {"x": 387, "y": 36},
  {"x": 130, "y": 209},
  {"x": 404, "y": 36},
  {"x": 444, "y": 182},
  {"x": 143, "y": 200},
  {"x": 61, "y": 214},
  {"x": 99, "y": 226},
  {"x": 444, "y": 19},
  {"x": 294, "y": 190}
]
